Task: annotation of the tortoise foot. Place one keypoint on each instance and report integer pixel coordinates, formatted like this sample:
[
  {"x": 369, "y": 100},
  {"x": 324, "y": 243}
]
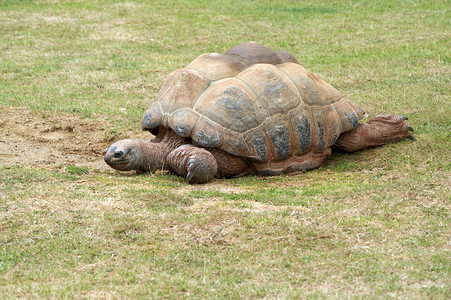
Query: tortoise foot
[{"x": 197, "y": 165}]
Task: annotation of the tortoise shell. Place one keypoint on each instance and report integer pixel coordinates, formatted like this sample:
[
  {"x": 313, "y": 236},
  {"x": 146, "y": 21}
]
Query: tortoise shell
[{"x": 252, "y": 102}]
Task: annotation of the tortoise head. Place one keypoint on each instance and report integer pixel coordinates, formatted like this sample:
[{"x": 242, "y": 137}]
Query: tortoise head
[{"x": 124, "y": 155}]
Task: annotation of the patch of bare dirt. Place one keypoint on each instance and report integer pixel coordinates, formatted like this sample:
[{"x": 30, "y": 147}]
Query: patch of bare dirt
[{"x": 28, "y": 138}]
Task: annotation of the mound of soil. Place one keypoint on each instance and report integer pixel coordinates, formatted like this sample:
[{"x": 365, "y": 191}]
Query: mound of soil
[{"x": 28, "y": 138}]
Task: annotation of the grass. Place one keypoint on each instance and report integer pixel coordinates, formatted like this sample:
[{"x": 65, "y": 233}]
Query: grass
[{"x": 373, "y": 224}]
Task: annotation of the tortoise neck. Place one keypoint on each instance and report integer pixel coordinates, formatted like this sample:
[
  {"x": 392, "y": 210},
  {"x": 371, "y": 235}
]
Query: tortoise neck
[{"x": 153, "y": 153}]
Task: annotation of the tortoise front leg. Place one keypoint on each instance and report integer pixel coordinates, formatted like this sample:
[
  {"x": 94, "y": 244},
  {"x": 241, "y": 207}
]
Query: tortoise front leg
[
  {"x": 380, "y": 130},
  {"x": 196, "y": 164}
]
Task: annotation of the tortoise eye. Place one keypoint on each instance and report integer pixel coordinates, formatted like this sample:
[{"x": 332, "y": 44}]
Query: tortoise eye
[{"x": 118, "y": 154}]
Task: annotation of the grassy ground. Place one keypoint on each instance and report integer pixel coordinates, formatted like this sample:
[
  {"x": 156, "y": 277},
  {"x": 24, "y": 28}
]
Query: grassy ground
[{"x": 373, "y": 224}]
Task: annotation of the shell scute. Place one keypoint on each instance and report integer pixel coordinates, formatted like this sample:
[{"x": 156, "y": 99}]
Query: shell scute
[
  {"x": 349, "y": 114},
  {"x": 231, "y": 104},
  {"x": 184, "y": 88},
  {"x": 273, "y": 88},
  {"x": 252, "y": 53},
  {"x": 183, "y": 121},
  {"x": 257, "y": 145},
  {"x": 219, "y": 66},
  {"x": 300, "y": 119},
  {"x": 277, "y": 129},
  {"x": 153, "y": 117},
  {"x": 314, "y": 91},
  {"x": 321, "y": 130},
  {"x": 333, "y": 124},
  {"x": 235, "y": 143},
  {"x": 207, "y": 134},
  {"x": 328, "y": 126}
]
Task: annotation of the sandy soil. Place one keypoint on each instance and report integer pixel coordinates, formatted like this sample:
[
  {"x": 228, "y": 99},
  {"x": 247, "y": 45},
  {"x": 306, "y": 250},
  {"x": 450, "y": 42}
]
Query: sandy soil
[{"x": 28, "y": 138}]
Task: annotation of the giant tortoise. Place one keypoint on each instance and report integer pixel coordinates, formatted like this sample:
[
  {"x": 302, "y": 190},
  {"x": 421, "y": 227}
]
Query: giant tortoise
[{"x": 248, "y": 111}]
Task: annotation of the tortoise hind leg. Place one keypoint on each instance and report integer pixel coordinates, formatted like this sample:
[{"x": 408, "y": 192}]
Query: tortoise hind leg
[
  {"x": 380, "y": 130},
  {"x": 231, "y": 166}
]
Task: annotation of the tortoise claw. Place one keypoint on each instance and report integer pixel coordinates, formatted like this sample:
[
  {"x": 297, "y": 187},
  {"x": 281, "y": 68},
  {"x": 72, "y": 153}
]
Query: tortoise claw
[
  {"x": 408, "y": 127},
  {"x": 411, "y": 137},
  {"x": 189, "y": 177}
]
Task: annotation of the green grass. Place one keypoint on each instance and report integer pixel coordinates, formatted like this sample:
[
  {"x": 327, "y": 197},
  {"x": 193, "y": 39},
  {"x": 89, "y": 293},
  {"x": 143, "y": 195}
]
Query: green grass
[{"x": 373, "y": 224}]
